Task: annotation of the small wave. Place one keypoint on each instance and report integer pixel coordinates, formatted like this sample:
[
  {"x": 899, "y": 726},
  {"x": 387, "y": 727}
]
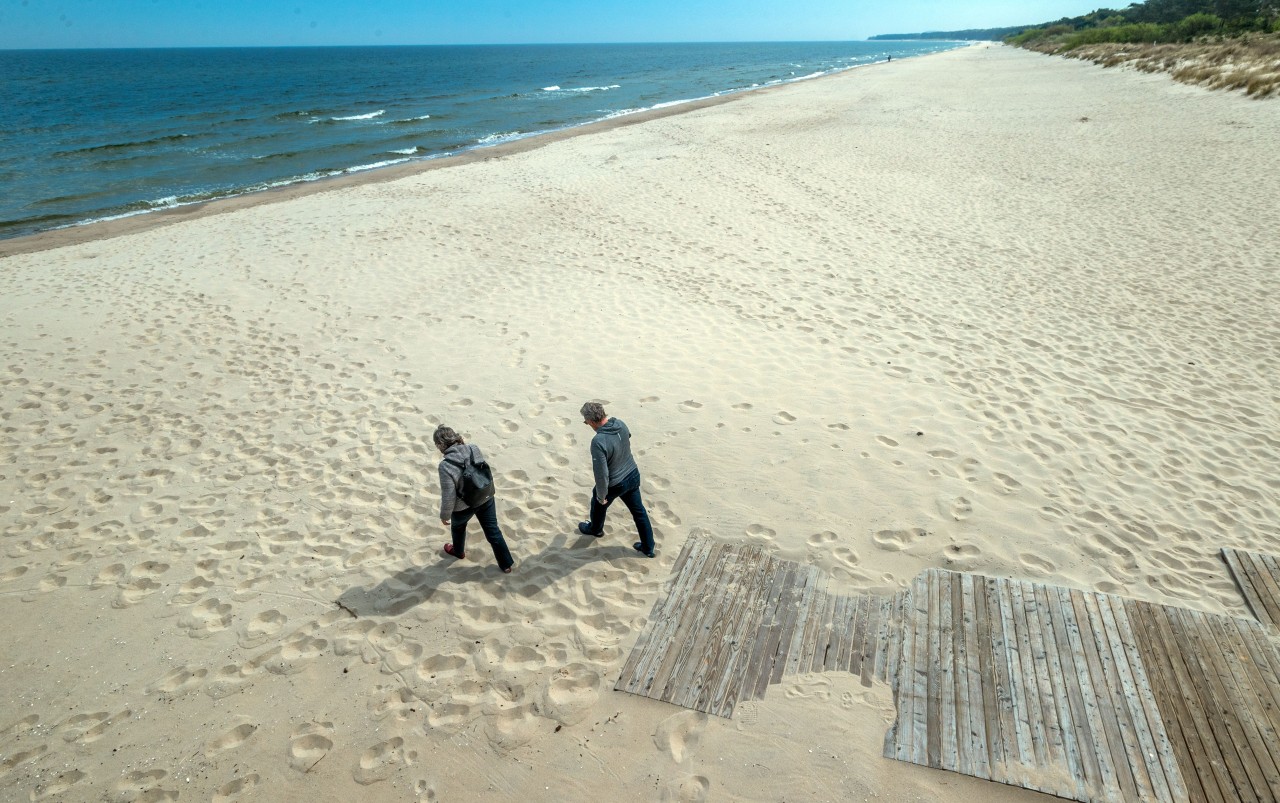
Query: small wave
[
  {"x": 494, "y": 139},
  {"x": 124, "y": 146},
  {"x": 406, "y": 120},
  {"x": 373, "y": 166},
  {"x": 406, "y": 151},
  {"x": 582, "y": 88},
  {"x": 368, "y": 116}
]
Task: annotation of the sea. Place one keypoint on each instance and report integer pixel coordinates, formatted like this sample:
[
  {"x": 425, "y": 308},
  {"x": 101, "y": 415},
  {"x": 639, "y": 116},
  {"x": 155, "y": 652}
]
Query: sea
[{"x": 89, "y": 135}]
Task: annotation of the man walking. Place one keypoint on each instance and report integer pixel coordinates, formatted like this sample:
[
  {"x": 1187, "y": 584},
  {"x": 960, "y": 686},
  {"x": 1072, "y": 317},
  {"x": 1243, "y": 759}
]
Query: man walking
[{"x": 617, "y": 476}]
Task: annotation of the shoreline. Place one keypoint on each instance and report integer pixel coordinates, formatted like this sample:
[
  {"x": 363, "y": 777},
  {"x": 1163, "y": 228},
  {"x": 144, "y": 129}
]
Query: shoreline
[{"x": 93, "y": 231}]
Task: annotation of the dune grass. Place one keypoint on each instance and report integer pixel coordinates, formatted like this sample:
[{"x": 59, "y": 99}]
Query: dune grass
[{"x": 1248, "y": 63}]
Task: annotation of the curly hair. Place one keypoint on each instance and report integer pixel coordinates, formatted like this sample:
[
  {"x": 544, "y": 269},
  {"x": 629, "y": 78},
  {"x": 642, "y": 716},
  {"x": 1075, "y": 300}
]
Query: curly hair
[
  {"x": 593, "y": 412},
  {"x": 446, "y": 438}
]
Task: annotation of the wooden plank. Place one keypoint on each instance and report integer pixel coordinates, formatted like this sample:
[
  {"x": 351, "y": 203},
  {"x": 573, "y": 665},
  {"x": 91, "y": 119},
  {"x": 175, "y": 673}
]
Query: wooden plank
[
  {"x": 1153, "y": 734},
  {"x": 867, "y": 623},
  {"x": 848, "y": 644},
  {"x": 889, "y": 643},
  {"x": 881, "y": 638},
  {"x": 1024, "y": 661},
  {"x": 723, "y": 687},
  {"x": 1250, "y": 783},
  {"x": 797, "y": 613},
  {"x": 737, "y": 609},
  {"x": 947, "y": 725},
  {"x": 1238, "y": 785},
  {"x": 1183, "y": 738},
  {"x": 702, "y": 554},
  {"x": 839, "y": 624},
  {"x": 695, "y": 624},
  {"x": 1246, "y": 585},
  {"x": 1265, "y": 662},
  {"x": 1023, "y": 753},
  {"x": 1120, "y": 693},
  {"x": 1117, "y": 747},
  {"x": 1198, "y": 704},
  {"x": 777, "y": 608},
  {"x": 896, "y": 632},
  {"x": 857, "y": 635},
  {"x": 920, "y": 671},
  {"x": 992, "y": 703},
  {"x": 1067, "y": 622},
  {"x": 903, "y": 730},
  {"x": 936, "y": 721},
  {"x": 1064, "y": 693},
  {"x": 825, "y": 635},
  {"x": 808, "y": 622},
  {"x": 1268, "y": 589},
  {"x": 628, "y": 679},
  {"x": 974, "y": 734},
  {"x": 1036, "y": 664},
  {"x": 1245, "y": 685}
]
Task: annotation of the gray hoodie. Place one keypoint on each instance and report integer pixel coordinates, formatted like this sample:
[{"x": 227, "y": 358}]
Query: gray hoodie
[
  {"x": 611, "y": 459},
  {"x": 450, "y": 473}
]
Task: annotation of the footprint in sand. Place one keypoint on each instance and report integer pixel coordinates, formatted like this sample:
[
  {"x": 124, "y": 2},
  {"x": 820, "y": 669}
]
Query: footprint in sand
[
  {"x": 571, "y": 693},
  {"x": 56, "y": 788},
  {"x": 689, "y": 406},
  {"x": 783, "y": 417},
  {"x": 179, "y": 681},
  {"x": 379, "y": 762},
  {"x": 310, "y": 743},
  {"x": 898, "y": 540},
  {"x": 230, "y": 740},
  {"x": 1036, "y": 564},
  {"x": 961, "y": 508},
  {"x": 679, "y": 734},
  {"x": 239, "y": 789},
  {"x": 693, "y": 789},
  {"x": 648, "y": 399},
  {"x": 824, "y": 538}
]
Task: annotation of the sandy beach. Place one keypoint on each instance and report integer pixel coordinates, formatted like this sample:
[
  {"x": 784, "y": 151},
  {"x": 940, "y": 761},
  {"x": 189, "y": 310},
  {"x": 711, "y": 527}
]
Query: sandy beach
[{"x": 986, "y": 310}]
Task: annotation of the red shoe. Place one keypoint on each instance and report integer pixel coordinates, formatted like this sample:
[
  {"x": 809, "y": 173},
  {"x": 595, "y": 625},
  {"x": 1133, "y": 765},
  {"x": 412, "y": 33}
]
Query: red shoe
[{"x": 448, "y": 550}]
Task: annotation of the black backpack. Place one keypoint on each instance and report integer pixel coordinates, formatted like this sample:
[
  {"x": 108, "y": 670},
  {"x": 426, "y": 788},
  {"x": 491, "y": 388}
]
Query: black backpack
[{"x": 475, "y": 482}]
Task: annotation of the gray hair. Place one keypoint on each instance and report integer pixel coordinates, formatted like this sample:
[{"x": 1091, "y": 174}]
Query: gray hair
[
  {"x": 445, "y": 438},
  {"x": 593, "y": 412}
]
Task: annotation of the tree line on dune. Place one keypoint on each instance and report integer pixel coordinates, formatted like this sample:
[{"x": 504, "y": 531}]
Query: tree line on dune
[{"x": 1153, "y": 21}]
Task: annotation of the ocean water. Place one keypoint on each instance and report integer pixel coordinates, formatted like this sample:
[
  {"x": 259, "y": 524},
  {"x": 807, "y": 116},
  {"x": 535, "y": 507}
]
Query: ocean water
[{"x": 93, "y": 134}]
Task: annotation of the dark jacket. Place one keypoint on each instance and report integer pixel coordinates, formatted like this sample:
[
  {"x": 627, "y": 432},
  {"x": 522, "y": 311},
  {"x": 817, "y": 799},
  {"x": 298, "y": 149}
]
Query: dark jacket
[{"x": 611, "y": 459}]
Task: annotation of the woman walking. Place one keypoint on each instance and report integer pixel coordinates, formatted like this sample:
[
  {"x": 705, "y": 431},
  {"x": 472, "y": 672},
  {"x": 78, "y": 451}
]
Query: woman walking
[{"x": 454, "y": 512}]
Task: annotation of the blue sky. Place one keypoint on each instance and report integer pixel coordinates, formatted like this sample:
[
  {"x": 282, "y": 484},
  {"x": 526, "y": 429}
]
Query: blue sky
[{"x": 199, "y": 23}]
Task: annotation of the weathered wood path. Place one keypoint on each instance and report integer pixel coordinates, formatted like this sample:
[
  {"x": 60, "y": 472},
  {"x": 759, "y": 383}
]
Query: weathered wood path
[{"x": 1083, "y": 695}]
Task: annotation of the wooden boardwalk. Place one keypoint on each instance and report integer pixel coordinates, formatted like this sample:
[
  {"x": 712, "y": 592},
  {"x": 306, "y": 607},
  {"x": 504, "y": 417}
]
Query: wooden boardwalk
[
  {"x": 1258, "y": 577},
  {"x": 738, "y": 619},
  {"x": 1082, "y": 695}
]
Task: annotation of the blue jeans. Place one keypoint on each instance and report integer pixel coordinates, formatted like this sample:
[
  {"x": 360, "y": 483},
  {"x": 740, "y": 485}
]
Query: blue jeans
[
  {"x": 629, "y": 492},
  {"x": 487, "y": 515}
]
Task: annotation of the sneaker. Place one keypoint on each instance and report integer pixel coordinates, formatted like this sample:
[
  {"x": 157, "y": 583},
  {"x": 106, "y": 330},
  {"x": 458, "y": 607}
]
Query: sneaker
[
  {"x": 639, "y": 547},
  {"x": 584, "y": 527}
]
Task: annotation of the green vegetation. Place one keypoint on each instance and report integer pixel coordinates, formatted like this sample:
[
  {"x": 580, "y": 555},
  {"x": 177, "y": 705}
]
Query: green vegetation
[
  {"x": 1152, "y": 22},
  {"x": 1219, "y": 44}
]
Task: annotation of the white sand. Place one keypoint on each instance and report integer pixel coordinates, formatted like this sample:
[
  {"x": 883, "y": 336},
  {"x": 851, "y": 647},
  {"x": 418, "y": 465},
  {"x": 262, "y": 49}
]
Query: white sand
[{"x": 985, "y": 310}]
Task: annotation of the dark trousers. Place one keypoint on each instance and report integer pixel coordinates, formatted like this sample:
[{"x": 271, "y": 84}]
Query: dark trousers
[
  {"x": 629, "y": 492},
  {"x": 487, "y": 515}
]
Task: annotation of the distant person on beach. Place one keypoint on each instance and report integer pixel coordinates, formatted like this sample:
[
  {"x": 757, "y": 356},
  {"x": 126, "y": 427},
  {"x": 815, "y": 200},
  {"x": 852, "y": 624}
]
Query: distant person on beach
[
  {"x": 617, "y": 476},
  {"x": 454, "y": 511}
]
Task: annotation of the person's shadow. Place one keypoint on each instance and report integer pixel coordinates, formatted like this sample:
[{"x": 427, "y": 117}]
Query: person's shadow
[{"x": 408, "y": 588}]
